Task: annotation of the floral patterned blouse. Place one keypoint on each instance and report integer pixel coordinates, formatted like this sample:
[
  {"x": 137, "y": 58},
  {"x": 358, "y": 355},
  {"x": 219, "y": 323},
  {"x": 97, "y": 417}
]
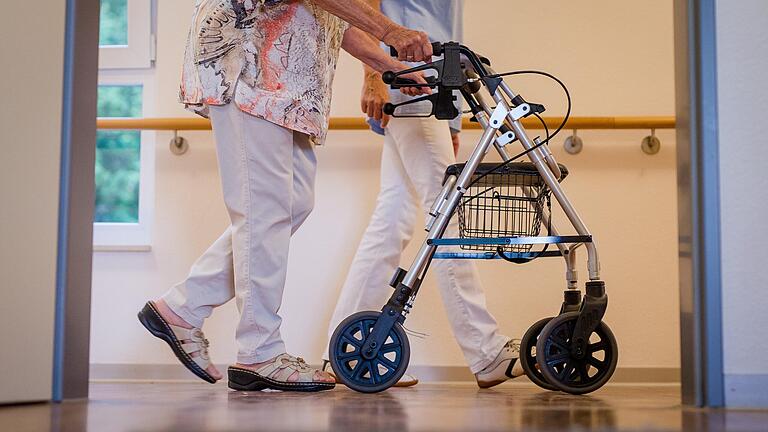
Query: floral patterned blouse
[{"x": 274, "y": 58}]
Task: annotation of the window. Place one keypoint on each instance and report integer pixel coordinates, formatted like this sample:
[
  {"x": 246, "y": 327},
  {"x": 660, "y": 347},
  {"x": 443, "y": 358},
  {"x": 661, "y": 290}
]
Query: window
[
  {"x": 125, "y": 34},
  {"x": 118, "y": 157},
  {"x": 124, "y": 170},
  {"x": 113, "y": 24}
]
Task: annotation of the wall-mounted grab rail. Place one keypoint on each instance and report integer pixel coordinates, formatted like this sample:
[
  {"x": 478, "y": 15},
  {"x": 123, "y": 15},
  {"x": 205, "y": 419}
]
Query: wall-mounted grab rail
[
  {"x": 358, "y": 123},
  {"x": 573, "y": 144}
]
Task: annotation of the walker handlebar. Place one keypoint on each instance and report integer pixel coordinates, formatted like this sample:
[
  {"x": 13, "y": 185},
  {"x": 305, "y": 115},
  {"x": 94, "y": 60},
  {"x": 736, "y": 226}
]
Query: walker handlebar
[
  {"x": 450, "y": 71},
  {"x": 450, "y": 67}
]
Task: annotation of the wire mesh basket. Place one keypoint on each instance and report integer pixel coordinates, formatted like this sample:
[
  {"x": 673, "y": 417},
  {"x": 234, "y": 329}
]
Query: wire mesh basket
[{"x": 507, "y": 202}]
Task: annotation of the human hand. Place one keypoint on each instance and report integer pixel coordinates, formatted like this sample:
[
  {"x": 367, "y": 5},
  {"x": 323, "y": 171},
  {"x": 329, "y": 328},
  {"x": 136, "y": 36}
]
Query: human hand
[
  {"x": 411, "y": 45},
  {"x": 373, "y": 98},
  {"x": 418, "y": 78}
]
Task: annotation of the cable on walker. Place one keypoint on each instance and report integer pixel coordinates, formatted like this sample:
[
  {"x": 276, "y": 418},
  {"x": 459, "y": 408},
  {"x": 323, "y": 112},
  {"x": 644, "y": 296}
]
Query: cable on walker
[{"x": 500, "y": 208}]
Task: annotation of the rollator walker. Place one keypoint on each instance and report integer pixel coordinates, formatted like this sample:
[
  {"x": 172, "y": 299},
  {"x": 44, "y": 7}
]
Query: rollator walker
[{"x": 501, "y": 208}]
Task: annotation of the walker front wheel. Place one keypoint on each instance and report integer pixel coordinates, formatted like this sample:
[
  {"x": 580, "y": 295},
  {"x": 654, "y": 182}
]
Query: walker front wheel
[
  {"x": 571, "y": 371},
  {"x": 357, "y": 372},
  {"x": 528, "y": 354}
]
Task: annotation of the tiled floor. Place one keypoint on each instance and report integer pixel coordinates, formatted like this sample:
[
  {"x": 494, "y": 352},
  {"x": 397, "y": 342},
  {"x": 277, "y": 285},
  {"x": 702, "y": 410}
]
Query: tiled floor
[{"x": 166, "y": 406}]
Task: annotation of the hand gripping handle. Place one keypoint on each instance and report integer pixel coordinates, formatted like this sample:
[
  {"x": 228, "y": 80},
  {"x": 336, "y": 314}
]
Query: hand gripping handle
[
  {"x": 391, "y": 78},
  {"x": 437, "y": 49}
]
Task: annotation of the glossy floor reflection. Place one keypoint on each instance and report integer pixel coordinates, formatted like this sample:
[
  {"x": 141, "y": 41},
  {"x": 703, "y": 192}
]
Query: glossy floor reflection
[{"x": 426, "y": 407}]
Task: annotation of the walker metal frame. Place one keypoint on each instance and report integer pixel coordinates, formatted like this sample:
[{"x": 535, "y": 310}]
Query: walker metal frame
[{"x": 464, "y": 71}]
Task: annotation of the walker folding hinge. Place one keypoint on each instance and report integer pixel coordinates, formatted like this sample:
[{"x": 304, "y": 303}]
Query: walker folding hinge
[
  {"x": 520, "y": 111},
  {"x": 505, "y": 138},
  {"x": 534, "y": 107},
  {"x": 498, "y": 116}
]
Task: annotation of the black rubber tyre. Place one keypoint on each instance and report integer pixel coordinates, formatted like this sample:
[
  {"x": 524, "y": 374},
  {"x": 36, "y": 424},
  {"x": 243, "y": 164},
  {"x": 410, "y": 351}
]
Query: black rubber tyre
[
  {"x": 357, "y": 373},
  {"x": 564, "y": 370},
  {"x": 528, "y": 354}
]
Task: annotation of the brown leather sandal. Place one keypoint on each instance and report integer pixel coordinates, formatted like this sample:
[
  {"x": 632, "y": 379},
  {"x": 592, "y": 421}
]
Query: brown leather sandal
[
  {"x": 184, "y": 342},
  {"x": 275, "y": 374}
]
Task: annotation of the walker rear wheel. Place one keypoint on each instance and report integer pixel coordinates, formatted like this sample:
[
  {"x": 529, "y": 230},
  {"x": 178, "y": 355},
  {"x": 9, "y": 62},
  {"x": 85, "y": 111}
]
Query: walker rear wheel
[
  {"x": 368, "y": 375},
  {"x": 566, "y": 369},
  {"x": 528, "y": 354}
]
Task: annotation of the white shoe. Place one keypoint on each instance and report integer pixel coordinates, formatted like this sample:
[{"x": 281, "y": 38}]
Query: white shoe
[
  {"x": 407, "y": 380},
  {"x": 505, "y": 366}
]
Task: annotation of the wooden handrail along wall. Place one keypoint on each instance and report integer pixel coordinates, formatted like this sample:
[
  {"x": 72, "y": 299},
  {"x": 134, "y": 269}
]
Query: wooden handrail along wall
[
  {"x": 573, "y": 144},
  {"x": 358, "y": 123}
]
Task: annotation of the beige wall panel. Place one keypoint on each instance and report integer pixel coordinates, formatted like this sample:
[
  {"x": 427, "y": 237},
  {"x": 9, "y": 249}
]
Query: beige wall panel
[{"x": 32, "y": 47}]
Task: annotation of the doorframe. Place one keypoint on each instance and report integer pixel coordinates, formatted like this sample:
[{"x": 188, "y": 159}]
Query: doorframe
[
  {"x": 698, "y": 202},
  {"x": 698, "y": 190},
  {"x": 72, "y": 323}
]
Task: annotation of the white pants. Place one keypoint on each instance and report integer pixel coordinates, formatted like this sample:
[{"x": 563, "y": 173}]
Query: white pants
[
  {"x": 268, "y": 175},
  {"x": 415, "y": 156}
]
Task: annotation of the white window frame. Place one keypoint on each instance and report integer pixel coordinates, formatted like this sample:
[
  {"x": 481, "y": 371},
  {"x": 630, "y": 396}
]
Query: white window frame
[
  {"x": 132, "y": 64},
  {"x": 111, "y": 236},
  {"x": 140, "y": 51}
]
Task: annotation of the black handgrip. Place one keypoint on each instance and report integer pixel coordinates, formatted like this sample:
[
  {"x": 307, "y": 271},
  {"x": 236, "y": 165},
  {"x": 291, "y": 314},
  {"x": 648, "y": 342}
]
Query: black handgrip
[
  {"x": 389, "y": 77},
  {"x": 437, "y": 49},
  {"x": 388, "y": 109}
]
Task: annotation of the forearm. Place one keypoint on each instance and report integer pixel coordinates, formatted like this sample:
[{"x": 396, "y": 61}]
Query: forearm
[
  {"x": 364, "y": 48},
  {"x": 360, "y": 14},
  {"x": 369, "y": 71},
  {"x": 411, "y": 45}
]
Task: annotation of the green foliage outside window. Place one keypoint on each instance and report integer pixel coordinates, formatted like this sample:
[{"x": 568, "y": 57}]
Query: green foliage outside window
[
  {"x": 113, "y": 23},
  {"x": 118, "y": 156}
]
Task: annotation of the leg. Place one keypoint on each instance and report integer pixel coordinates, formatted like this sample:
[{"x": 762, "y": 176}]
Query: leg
[
  {"x": 425, "y": 148},
  {"x": 378, "y": 253},
  {"x": 210, "y": 281},
  {"x": 248, "y": 261},
  {"x": 268, "y": 270},
  {"x": 257, "y": 176},
  {"x": 304, "y": 170},
  {"x": 208, "y": 285}
]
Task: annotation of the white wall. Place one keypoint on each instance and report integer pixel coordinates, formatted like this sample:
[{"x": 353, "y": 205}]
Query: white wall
[
  {"x": 742, "y": 58},
  {"x": 616, "y": 58},
  {"x": 29, "y": 197}
]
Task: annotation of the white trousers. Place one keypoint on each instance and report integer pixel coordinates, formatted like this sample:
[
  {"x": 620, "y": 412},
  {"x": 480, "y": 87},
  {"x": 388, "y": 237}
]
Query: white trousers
[
  {"x": 413, "y": 162},
  {"x": 268, "y": 175}
]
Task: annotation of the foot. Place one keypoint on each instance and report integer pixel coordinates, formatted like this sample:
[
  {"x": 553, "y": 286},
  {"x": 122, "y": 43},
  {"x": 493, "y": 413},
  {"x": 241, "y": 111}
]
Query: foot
[
  {"x": 505, "y": 366},
  {"x": 173, "y": 319},
  {"x": 299, "y": 366},
  {"x": 407, "y": 380},
  {"x": 284, "y": 372}
]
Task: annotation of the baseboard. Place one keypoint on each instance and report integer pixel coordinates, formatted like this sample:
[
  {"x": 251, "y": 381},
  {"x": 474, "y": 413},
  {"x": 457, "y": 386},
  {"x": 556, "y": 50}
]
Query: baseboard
[
  {"x": 174, "y": 372},
  {"x": 746, "y": 391},
  {"x": 622, "y": 375}
]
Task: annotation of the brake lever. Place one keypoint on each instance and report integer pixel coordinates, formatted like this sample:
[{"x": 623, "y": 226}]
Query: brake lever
[
  {"x": 389, "y": 108},
  {"x": 390, "y": 77},
  {"x": 397, "y": 83},
  {"x": 442, "y": 105}
]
